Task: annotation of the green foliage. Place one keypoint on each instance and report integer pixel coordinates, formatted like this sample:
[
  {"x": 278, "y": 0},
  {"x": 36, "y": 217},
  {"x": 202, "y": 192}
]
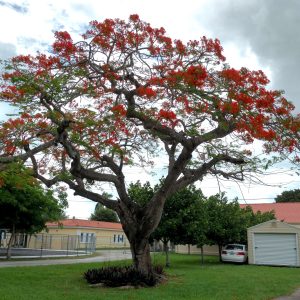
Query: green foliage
[
  {"x": 289, "y": 196},
  {"x": 184, "y": 218},
  {"x": 228, "y": 222},
  {"x": 249, "y": 219},
  {"x": 191, "y": 218},
  {"x": 224, "y": 219},
  {"x": 140, "y": 194},
  {"x": 24, "y": 204},
  {"x": 121, "y": 276},
  {"x": 102, "y": 213}
]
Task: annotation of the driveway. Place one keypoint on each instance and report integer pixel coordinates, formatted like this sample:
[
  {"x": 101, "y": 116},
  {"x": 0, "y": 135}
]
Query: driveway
[
  {"x": 294, "y": 296},
  {"x": 104, "y": 255}
]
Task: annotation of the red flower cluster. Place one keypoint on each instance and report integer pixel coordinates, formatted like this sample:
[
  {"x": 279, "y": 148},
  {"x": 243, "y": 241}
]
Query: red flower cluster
[
  {"x": 232, "y": 74},
  {"x": 195, "y": 76},
  {"x": 9, "y": 147},
  {"x": 229, "y": 107},
  {"x": 168, "y": 115},
  {"x": 145, "y": 91},
  {"x": 180, "y": 47},
  {"x": 119, "y": 109},
  {"x": 27, "y": 59},
  {"x": 257, "y": 127},
  {"x": 134, "y": 18},
  {"x": 192, "y": 76},
  {"x": 64, "y": 44},
  {"x": 171, "y": 82},
  {"x": 213, "y": 46},
  {"x": 13, "y": 123},
  {"x": 11, "y": 92}
]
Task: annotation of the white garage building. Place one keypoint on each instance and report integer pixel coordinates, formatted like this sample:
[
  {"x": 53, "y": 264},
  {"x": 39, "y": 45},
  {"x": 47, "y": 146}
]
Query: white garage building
[
  {"x": 271, "y": 243},
  {"x": 274, "y": 243}
]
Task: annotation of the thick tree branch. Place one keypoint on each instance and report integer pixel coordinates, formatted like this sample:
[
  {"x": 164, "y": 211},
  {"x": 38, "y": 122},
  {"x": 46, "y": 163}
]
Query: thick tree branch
[
  {"x": 170, "y": 149},
  {"x": 192, "y": 175},
  {"x": 79, "y": 171},
  {"x": 229, "y": 175},
  {"x": 219, "y": 132},
  {"x": 28, "y": 154},
  {"x": 165, "y": 133},
  {"x": 155, "y": 206},
  {"x": 81, "y": 191}
]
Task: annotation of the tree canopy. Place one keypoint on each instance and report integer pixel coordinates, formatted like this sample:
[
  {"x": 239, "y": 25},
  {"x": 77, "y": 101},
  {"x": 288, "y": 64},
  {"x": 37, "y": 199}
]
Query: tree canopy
[
  {"x": 184, "y": 218},
  {"x": 24, "y": 205},
  {"x": 228, "y": 223},
  {"x": 102, "y": 213},
  {"x": 127, "y": 93},
  {"x": 289, "y": 196},
  {"x": 191, "y": 218}
]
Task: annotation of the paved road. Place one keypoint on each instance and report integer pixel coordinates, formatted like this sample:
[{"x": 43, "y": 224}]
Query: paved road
[
  {"x": 294, "y": 296},
  {"x": 105, "y": 255}
]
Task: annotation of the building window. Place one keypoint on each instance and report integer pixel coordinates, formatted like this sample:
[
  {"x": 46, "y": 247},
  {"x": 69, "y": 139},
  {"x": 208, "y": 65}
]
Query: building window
[
  {"x": 86, "y": 237},
  {"x": 2, "y": 234},
  {"x": 81, "y": 237},
  {"x": 118, "y": 238}
]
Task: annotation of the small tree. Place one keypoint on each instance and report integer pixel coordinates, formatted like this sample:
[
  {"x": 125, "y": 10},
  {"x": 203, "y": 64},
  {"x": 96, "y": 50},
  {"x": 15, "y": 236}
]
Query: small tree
[
  {"x": 25, "y": 206},
  {"x": 183, "y": 220},
  {"x": 288, "y": 196},
  {"x": 102, "y": 213},
  {"x": 224, "y": 221},
  {"x": 92, "y": 109},
  {"x": 228, "y": 222},
  {"x": 250, "y": 218}
]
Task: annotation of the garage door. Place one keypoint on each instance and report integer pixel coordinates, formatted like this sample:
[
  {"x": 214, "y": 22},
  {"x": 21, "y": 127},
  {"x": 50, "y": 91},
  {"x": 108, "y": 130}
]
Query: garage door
[{"x": 275, "y": 249}]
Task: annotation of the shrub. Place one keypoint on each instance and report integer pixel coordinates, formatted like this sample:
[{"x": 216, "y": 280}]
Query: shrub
[{"x": 120, "y": 276}]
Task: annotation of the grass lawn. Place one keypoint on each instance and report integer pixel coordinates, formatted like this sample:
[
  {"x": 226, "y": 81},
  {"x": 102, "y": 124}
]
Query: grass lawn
[{"x": 188, "y": 279}]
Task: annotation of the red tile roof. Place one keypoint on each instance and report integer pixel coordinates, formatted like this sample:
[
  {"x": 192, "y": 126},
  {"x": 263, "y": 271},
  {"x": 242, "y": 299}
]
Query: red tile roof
[
  {"x": 85, "y": 223},
  {"x": 288, "y": 212}
]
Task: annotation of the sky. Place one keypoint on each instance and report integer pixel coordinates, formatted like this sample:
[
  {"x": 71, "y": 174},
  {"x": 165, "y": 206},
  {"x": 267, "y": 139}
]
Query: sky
[{"x": 257, "y": 34}]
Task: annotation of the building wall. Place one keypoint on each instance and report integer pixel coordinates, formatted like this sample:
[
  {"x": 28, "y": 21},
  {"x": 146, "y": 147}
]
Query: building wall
[
  {"x": 105, "y": 238},
  {"x": 207, "y": 249},
  {"x": 55, "y": 242},
  {"x": 269, "y": 227}
]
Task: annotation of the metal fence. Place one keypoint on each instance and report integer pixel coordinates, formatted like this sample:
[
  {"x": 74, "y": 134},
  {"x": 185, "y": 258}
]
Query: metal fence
[
  {"x": 113, "y": 241},
  {"x": 47, "y": 245}
]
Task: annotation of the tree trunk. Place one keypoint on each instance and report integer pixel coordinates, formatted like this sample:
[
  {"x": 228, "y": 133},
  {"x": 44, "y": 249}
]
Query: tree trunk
[
  {"x": 140, "y": 250},
  {"x": 189, "y": 249},
  {"x": 26, "y": 241},
  {"x": 12, "y": 237},
  {"x": 220, "y": 252},
  {"x": 202, "y": 256},
  {"x": 138, "y": 224},
  {"x": 166, "y": 248}
]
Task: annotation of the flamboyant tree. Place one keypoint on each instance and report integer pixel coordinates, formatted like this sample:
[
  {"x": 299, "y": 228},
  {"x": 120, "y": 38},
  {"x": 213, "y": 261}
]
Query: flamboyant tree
[{"x": 127, "y": 93}]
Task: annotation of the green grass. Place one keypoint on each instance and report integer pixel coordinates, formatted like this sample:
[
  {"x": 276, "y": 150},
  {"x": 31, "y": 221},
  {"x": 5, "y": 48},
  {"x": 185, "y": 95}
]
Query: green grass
[{"x": 188, "y": 279}]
